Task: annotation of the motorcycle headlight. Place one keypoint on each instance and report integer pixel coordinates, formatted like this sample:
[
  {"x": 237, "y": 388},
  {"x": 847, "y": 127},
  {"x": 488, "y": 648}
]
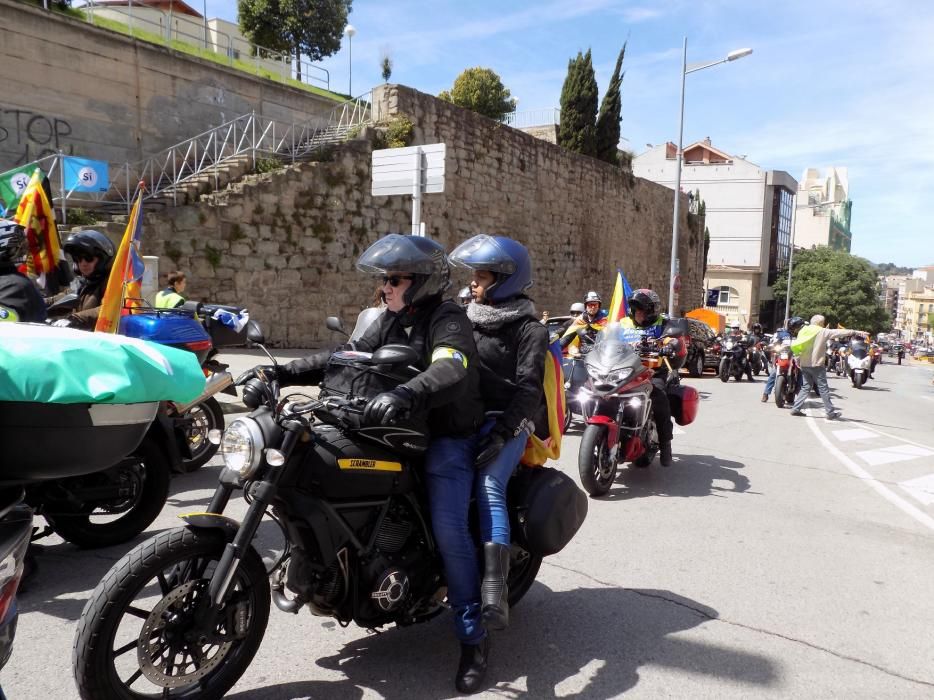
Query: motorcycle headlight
[
  {"x": 618, "y": 376},
  {"x": 729, "y": 345},
  {"x": 242, "y": 447}
]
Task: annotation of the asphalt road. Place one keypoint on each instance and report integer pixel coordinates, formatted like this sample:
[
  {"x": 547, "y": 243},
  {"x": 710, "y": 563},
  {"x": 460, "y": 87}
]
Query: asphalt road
[{"x": 780, "y": 557}]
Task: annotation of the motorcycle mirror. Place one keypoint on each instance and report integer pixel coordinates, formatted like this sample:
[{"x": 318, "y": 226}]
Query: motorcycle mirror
[
  {"x": 254, "y": 333},
  {"x": 334, "y": 324}
]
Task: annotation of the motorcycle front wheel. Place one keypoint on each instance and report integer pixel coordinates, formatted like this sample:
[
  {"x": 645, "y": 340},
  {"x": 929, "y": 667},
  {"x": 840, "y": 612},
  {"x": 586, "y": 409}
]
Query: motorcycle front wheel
[
  {"x": 204, "y": 417},
  {"x": 596, "y": 466},
  {"x": 145, "y": 633},
  {"x": 780, "y": 391},
  {"x": 724, "y": 371},
  {"x": 146, "y": 476}
]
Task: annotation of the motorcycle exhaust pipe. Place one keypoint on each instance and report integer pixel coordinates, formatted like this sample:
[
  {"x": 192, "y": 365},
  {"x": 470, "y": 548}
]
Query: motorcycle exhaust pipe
[
  {"x": 216, "y": 383},
  {"x": 283, "y": 602}
]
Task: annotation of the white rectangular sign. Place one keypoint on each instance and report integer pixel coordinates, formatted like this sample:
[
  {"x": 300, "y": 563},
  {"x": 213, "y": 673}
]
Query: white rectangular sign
[{"x": 394, "y": 170}]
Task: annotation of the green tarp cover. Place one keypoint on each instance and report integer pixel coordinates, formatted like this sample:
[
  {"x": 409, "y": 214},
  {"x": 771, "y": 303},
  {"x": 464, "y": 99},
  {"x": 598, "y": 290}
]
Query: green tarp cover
[{"x": 62, "y": 365}]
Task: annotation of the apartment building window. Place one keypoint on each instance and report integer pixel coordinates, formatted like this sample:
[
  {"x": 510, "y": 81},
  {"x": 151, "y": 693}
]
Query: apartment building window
[
  {"x": 728, "y": 296},
  {"x": 780, "y": 243}
]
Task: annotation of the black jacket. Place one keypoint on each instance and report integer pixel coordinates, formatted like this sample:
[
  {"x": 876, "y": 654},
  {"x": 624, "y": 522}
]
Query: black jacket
[
  {"x": 448, "y": 385},
  {"x": 19, "y": 295},
  {"x": 512, "y": 370}
]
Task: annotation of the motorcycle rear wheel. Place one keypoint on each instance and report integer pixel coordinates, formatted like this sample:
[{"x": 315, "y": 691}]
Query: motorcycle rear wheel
[
  {"x": 523, "y": 568},
  {"x": 174, "y": 566},
  {"x": 206, "y": 416},
  {"x": 597, "y": 469},
  {"x": 148, "y": 502}
]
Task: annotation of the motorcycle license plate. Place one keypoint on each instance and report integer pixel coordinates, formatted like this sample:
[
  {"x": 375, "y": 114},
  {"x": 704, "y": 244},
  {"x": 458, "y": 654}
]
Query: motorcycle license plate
[{"x": 859, "y": 371}]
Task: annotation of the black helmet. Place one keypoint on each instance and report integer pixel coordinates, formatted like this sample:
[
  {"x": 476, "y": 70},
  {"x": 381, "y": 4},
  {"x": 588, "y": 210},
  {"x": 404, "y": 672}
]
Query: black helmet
[
  {"x": 12, "y": 241},
  {"x": 420, "y": 257},
  {"x": 794, "y": 324},
  {"x": 648, "y": 301},
  {"x": 757, "y": 328},
  {"x": 92, "y": 243}
]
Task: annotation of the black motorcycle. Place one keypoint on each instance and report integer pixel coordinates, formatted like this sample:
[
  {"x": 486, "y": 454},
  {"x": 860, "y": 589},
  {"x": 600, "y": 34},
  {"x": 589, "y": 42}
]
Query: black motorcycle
[
  {"x": 734, "y": 359},
  {"x": 90, "y": 508},
  {"x": 352, "y": 508}
]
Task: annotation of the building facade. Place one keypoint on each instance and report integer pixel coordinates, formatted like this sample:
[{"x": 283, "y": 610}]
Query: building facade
[
  {"x": 919, "y": 316},
  {"x": 748, "y": 213},
  {"x": 823, "y": 210}
]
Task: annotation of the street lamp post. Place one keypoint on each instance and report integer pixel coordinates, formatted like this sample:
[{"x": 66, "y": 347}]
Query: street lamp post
[
  {"x": 350, "y": 30},
  {"x": 685, "y": 69}
]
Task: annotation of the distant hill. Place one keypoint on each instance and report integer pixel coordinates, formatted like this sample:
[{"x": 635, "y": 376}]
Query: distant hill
[{"x": 891, "y": 269}]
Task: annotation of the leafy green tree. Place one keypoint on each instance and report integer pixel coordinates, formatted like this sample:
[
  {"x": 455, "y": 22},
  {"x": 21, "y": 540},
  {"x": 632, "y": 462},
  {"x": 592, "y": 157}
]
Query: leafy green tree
[
  {"x": 610, "y": 114},
  {"x": 481, "y": 90},
  {"x": 385, "y": 65},
  {"x": 578, "y": 128},
  {"x": 842, "y": 287},
  {"x": 311, "y": 28}
]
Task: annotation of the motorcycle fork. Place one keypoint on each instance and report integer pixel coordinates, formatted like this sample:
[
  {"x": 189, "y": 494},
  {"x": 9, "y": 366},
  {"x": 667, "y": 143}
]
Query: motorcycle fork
[{"x": 262, "y": 494}]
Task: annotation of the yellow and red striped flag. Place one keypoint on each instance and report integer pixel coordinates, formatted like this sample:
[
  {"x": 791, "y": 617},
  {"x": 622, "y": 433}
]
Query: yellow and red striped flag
[
  {"x": 538, "y": 451},
  {"x": 123, "y": 285},
  {"x": 619, "y": 306},
  {"x": 34, "y": 214}
]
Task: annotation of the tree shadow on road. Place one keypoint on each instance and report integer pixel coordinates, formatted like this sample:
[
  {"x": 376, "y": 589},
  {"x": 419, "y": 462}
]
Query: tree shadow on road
[
  {"x": 689, "y": 476},
  {"x": 587, "y": 642}
]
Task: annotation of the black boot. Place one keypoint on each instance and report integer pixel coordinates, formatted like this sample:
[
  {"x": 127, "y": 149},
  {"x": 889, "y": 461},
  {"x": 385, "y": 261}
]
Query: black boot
[
  {"x": 664, "y": 456},
  {"x": 493, "y": 590},
  {"x": 472, "y": 667}
]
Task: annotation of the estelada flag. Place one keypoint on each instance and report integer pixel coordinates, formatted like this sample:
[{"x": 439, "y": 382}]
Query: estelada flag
[
  {"x": 34, "y": 214},
  {"x": 123, "y": 285},
  {"x": 538, "y": 451},
  {"x": 619, "y": 307}
]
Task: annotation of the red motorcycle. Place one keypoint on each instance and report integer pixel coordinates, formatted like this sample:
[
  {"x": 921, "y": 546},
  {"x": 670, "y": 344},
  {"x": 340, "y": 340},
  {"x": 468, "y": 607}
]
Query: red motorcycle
[
  {"x": 787, "y": 375},
  {"x": 620, "y": 424}
]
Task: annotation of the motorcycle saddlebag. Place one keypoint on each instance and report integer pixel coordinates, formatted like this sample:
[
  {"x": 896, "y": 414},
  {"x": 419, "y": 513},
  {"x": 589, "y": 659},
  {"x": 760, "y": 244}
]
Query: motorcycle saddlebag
[
  {"x": 546, "y": 509},
  {"x": 52, "y": 441},
  {"x": 684, "y": 402}
]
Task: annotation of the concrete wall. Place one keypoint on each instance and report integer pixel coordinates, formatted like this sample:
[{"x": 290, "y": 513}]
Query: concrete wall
[
  {"x": 284, "y": 244},
  {"x": 96, "y": 93}
]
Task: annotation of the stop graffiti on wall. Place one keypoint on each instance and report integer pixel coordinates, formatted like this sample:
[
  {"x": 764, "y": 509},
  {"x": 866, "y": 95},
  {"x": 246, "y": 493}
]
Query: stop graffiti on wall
[{"x": 27, "y": 136}]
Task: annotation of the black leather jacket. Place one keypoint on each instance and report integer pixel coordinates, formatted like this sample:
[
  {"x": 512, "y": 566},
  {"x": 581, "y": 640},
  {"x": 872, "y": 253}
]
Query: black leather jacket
[
  {"x": 448, "y": 385},
  {"x": 19, "y": 297}
]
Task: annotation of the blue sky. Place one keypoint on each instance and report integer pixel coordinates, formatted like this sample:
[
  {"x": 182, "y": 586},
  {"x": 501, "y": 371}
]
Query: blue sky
[{"x": 829, "y": 83}]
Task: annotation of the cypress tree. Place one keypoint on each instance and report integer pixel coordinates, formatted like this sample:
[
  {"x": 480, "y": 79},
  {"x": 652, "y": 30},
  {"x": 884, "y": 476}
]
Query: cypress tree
[
  {"x": 577, "y": 130},
  {"x": 610, "y": 114}
]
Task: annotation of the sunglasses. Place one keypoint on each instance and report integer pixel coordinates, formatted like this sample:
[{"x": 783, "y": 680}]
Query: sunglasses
[
  {"x": 85, "y": 258},
  {"x": 396, "y": 280}
]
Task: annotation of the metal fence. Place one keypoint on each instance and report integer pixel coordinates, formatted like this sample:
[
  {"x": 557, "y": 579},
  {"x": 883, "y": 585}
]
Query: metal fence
[
  {"x": 171, "y": 29},
  {"x": 537, "y": 117}
]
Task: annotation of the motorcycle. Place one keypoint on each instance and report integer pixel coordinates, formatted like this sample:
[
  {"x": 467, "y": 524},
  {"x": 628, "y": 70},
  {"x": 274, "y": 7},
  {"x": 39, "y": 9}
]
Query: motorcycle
[
  {"x": 787, "y": 375},
  {"x": 758, "y": 360},
  {"x": 859, "y": 362},
  {"x": 352, "y": 508},
  {"x": 622, "y": 426},
  {"x": 575, "y": 377},
  {"x": 734, "y": 360},
  {"x": 15, "y": 533}
]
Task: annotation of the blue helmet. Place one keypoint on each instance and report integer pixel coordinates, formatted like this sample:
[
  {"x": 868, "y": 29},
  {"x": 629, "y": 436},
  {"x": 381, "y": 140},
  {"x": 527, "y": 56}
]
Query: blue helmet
[{"x": 507, "y": 259}]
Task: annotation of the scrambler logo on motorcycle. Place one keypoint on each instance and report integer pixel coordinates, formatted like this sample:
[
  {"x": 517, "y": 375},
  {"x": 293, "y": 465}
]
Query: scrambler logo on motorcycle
[{"x": 370, "y": 465}]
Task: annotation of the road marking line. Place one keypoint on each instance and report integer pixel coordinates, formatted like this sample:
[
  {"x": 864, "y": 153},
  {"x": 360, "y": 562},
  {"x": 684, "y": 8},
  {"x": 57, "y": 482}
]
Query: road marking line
[
  {"x": 855, "y": 434},
  {"x": 895, "y": 453},
  {"x": 921, "y": 488},
  {"x": 859, "y": 472},
  {"x": 900, "y": 438}
]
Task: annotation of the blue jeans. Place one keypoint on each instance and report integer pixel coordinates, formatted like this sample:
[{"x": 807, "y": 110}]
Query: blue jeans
[
  {"x": 770, "y": 382},
  {"x": 814, "y": 376},
  {"x": 452, "y": 480}
]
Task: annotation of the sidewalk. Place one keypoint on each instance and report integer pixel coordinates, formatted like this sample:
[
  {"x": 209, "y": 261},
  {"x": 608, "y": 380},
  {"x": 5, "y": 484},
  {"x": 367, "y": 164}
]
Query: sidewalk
[{"x": 242, "y": 359}]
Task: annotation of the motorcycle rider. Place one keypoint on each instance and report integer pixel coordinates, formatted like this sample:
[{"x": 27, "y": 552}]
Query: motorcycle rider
[
  {"x": 792, "y": 326},
  {"x": 511, "y": 347},
  {"x": 584, "y": 329},
  {"x": 645, "y": 315},
  {"x": 93, "y": 254},
  {"x": 415, "y": 273},
  {"x": 19, "y": 298}
]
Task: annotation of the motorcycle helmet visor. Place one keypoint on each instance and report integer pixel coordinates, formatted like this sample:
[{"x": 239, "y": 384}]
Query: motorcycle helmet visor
[
  {"x": 483, "y": 252},
  {"x": 398, "y": 253}
]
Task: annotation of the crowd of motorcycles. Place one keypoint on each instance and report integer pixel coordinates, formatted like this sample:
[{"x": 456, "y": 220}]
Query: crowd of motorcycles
[{"x": 186, "y": 610}]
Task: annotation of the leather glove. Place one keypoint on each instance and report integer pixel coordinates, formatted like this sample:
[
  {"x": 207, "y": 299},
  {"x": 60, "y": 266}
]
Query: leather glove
[
  {"x": 490, "y": 446},
  {"x": 61, "y": 323},
  {"x": 269, "y": 371},
  {"x": 388, "y": 407}
]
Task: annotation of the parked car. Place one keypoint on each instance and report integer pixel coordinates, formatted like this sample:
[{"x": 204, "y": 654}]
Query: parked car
[{"x": 701, "y": 353}]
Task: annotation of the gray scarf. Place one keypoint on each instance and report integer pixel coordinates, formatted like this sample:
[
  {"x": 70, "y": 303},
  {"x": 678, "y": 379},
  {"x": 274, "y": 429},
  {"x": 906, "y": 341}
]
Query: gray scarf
[{"x": 489, "y": 318}]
